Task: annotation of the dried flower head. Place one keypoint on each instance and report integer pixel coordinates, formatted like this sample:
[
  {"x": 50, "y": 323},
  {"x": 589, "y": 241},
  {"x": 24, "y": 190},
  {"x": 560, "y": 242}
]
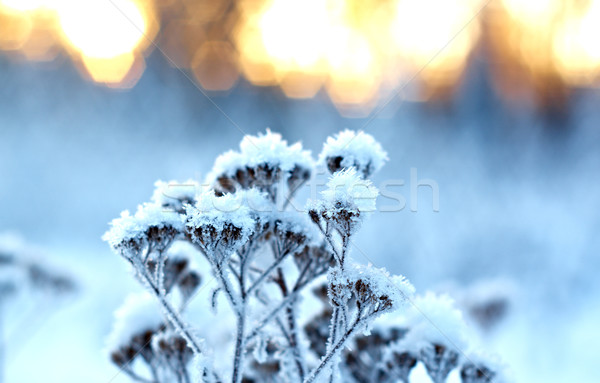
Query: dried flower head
[
  {"x": 450, "y": 330},
  {"x": 172, "y": 347},
  {"x": 351, "y": 149},
  {"x": 262, "y": 162},
  {"x": 373, "y": 289},
  {"x": 481, "y": 367},
  {"x": 396, "y": 365},
  {"x": 266, "y": 360},
  {"x": 291, "y": 232},
  {"x": 173, "y": 194},
  {"x": 176, "y": 273},
  {"x": 370, "y": 359},
  {"x": 439, "y": 360},
  {"x": 23, "y": 267},
  {"x": 150, "y": 226},
  {"x": 471, "y": 373},
  {"x": 136, "y": 321},
  {"x": 221, "y": 224},
  {"x": 314, "y": 261},
  {"x": 345, "y": 201}
]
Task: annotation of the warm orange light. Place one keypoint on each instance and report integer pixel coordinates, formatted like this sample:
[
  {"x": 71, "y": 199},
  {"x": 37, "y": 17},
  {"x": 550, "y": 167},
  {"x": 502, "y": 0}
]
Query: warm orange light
[
  {"x": 435, "y": 35},
  {"x": 41, "y": 45},
  {"x": 254, "y": 59},
  {"x": 101, "y": 28},
  {"x": 576, "y": 48},
  {"x": 215, "y": 66},
  {"x": 300, "y": 85},
  {"x": 294, "y": 33},
  {"x": 538, "y": 13},
  {"x": 27, "y": 5},
  {"x": 15, "y": 29},
  {"x": 300, "y": 44},
  {"x": 109, "y": 70},
  {"x": 354, "y": 77}
]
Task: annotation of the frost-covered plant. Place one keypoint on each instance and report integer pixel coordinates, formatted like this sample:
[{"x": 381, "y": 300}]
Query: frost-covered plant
[
  {"x": 22, "y": 268},
  {"x": 266, "y": 258},
  {"x": 349, "y": 149},
  {"x": 27, "y": 283}
]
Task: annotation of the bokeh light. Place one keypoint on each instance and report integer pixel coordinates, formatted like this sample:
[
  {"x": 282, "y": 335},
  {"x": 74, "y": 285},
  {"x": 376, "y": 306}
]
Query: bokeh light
[
  {"x": 215, "y": 66},
  {"x": 100, "y": 31},
  {"x": 354, "y": 52}
]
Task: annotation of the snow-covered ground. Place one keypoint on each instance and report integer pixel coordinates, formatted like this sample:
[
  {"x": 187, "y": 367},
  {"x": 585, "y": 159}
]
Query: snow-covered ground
[{"x": 517, "y": 201}]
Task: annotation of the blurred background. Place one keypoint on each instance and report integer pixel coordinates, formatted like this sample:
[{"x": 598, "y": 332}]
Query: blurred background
[{"x": 497, "y": 101}]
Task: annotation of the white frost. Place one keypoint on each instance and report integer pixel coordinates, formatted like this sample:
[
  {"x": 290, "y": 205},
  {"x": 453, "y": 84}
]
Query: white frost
[
  {"x": 500, "y": 371},
  {"x": 357, "y": 149},
  {"x": 351, "y": 191},
  {"x": 239, "y": 209},
  {"x": 433, "y": 319},
  {"x": 396, "y": 287},
  {"x": 267, "y": 148},
  {"x": 128, "y": 227},
  {"x": 140, "y": 312},
  {"x": 173, "y": 192}
]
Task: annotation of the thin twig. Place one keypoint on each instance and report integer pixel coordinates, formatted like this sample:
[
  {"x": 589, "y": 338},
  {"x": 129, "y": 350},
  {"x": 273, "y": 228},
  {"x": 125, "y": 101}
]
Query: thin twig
[{"x": 172, "y": 315}]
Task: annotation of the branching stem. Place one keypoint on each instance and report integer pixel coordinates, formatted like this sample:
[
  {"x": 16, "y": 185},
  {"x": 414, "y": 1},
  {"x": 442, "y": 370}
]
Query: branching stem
[
  {"x": 172, "y": 315},
  {"x": 337, "y": 346}
]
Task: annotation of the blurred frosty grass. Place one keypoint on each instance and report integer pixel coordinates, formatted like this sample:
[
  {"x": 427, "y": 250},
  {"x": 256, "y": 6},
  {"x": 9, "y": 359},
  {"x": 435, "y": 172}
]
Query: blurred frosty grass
[{"x": 516, "y": 200}]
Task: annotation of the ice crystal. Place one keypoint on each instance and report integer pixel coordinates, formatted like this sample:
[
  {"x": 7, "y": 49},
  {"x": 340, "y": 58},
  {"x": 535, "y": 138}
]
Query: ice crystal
[
  {"x": 344, "y": 203},
  {"x": 220, "y": 224},
  {"x": 351, "y": 149},
  {"x": 174, "y": 194},
  {"x": 261, "y": 162},
  {"x": 347, "y": 189},
  {"x": 267, "y": 148},
  {"x": 133, "y": 231},
  {"x": 138, "y": 314},
  {"x": 373, "y": 288},
  {"x": 434, "y": 320}
]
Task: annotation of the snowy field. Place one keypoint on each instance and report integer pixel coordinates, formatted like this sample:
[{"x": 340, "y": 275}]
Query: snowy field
[{"x": 518, "y": 205}]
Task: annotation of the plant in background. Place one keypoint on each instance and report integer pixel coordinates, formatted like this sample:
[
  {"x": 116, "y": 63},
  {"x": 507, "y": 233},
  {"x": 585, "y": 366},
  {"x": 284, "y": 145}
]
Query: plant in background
[
  {"x": 27, "y": 284},
  {"x": 268, "y": 259}
]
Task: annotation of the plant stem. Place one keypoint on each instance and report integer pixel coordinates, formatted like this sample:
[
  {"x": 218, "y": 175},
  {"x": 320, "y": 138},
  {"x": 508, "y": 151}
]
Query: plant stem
[
  {"x": 333, "y": 351},
  {"x": 294, "y": 344},
  {"x": 266, "y": 273},
  {"x": 239, "y": 308},
  {"x": 291, "y": 320},
  {"x": 172, "y": 316},
  {"x": 240, "y": 345},
  {"x": 285, "y": 302}
]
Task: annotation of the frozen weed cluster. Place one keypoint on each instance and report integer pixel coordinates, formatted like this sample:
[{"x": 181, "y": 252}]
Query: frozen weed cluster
[
  {"x": 23, "y": 271},
  {"x": 30, "y": 288},
  {"x": 299, "y": 309}
]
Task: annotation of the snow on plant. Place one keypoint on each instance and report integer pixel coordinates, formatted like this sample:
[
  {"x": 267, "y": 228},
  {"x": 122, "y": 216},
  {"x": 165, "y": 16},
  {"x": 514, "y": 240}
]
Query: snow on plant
[
  {"x": 486, "y": 303},
  {"x": 345, "y": 202},
  {"x": 266, "y": 259},
  {"x": 23, "y": 269},
  {"x": 484, "y": 368},
  {"x": 28, "y": 284},
  {"x": 349, "y": 149},
  {"x": 262, "y": 162},
  {"x": 175, "y": 194}
]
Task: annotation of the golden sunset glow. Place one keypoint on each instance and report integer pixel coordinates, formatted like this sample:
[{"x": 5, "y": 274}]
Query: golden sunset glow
[
  {"x": 103, "y": 35},
  {"x": 352, "y": 51},
  {"x": 576, "y": 47},
  {"x": 101, "y": 29}
]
